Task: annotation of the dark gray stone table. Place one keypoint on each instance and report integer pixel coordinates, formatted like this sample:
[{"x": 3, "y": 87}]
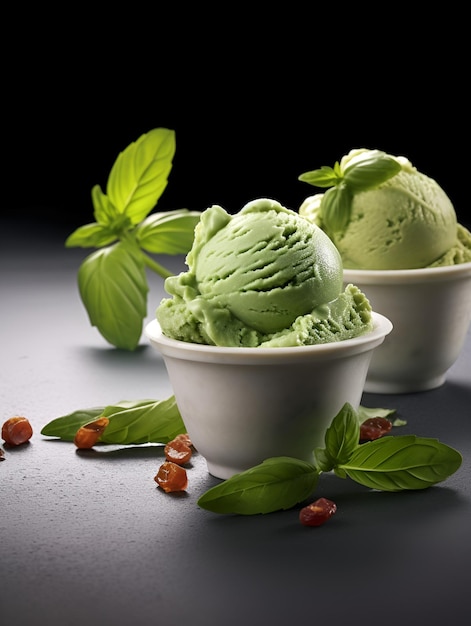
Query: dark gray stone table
[{"x": 89, "y": 538}]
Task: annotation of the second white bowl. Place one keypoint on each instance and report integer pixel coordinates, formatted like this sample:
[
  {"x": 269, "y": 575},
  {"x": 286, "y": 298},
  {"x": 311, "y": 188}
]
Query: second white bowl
[{"x": 431, "y": 313}]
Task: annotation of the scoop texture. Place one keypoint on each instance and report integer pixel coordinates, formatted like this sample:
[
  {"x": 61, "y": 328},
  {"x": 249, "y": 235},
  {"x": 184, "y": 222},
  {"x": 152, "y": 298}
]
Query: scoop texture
[
  {"x": 262, "y": 277},
  {"x": 407, "y": 222}
]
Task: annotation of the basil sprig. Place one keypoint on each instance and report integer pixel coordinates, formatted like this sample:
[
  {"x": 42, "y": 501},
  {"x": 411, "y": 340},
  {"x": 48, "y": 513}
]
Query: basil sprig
[
  {"x": 131, "y": 422},
  {"x": 400, "y": 463},
  {"x": 363, "y": 170},
  {"x": 112, "y": 281},
  {"x": 277, "y": 483},
  {"x": 387, "y": 464}
]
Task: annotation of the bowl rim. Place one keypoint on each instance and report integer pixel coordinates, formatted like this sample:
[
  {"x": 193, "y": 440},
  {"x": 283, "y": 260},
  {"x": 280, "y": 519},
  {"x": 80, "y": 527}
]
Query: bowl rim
[
  {"x": 382, "y": 326},
  {"x": 420, "y": 275}
]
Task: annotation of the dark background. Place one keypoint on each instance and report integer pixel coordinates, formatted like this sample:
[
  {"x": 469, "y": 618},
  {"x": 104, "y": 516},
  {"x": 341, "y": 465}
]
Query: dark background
[{"x": 252, "y": 107}]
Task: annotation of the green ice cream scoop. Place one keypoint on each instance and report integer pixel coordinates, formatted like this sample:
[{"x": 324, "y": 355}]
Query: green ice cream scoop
[
  {"x": 265, "y": 265},
  {"x": 404, "y": 222},
  {"x": 251, "y": 275},
  {"x": 407, "y": 222}
]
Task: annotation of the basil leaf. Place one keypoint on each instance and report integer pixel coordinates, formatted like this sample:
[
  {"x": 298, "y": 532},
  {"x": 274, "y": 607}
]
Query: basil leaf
[
  {"x": 401, "y": 462},
  {"x": 113, "y": 288},
  {"x": 336, "y": 207},
  {"x": 341, "y": 439},
  {"x": 139, "y": 175},
  {"x": 143, "y": 421},
  {"x": 66, "y": 426},
  {"x": 277, "y": 483},
  {"x": 365, "y": 413},
  {"x": 171, "y": 232},
  {"x": 131, "y": 422},
  {"x": 92, "y": 235},
  {"x": 399, "y": 422},
  {"x": 104, "y": 211},
  {"x": 370, "y": 169},
  {"x": 323, "y": 177}
]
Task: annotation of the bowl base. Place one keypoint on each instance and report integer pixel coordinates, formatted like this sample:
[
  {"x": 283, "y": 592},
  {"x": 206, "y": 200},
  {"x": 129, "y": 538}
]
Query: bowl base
[
  {"x": 408, "y": 386},
  {"x": 220, "y": 471}
]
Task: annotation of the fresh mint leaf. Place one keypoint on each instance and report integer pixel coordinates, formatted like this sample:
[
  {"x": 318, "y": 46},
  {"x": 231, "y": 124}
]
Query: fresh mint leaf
[
  {"x": 341, "y": 439},
  {"x": 104, "y": 211},
  {"x": 170, "y": 232},
  {"x": 144, "y": 421},
  {"x": 136, "y": 182},
  {"x": 336, "y": 208},
  {"x": 363, "y": 170},
  {"x": 365, "y": 413},
  {"x": 401, "y": 463},
  {"x": 399, "y": 422},
  {"x": 66, "y": 426},
  {"x": 113, "y": 288},
  {"x": 324, "y": 177},
  {"x": 370, "y": 169},
  {"x": 139, "y": 175},
  {"x": 277, "y": 483},
  {"x": 131, "y": 422},
  {"x": 92, "y": 235}
]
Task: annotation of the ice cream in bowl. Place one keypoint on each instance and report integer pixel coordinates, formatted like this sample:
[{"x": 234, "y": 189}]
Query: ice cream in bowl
[
  {"x": 262, "y": 341},
  {"x": 401, "y": 244}
]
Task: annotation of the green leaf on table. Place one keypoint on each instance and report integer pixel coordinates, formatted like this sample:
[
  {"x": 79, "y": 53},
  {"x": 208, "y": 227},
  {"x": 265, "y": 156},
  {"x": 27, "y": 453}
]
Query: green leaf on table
[
  {"x": 365, "y": 413},
  {"x": 113, "y": 288},
  {"x": 66, "y": 426},
  {"x": 139, "y": 175},
  {"x": 399, "y": 422},
  {"x": 169, "y": 232},
  {"x": 277, "y": 483},
  {"x": 131, "y": 422},
  {"x": 340, "y": 439},
  {"x": 144, "y": 421},
  {"x": 400, "y": 463}
]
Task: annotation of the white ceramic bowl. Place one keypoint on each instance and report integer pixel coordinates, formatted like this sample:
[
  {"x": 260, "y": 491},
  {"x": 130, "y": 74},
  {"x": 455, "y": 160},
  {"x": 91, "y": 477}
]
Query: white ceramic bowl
[
  {"x": 431, "y": 312},
  {"x": 243, "y": 405}
]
